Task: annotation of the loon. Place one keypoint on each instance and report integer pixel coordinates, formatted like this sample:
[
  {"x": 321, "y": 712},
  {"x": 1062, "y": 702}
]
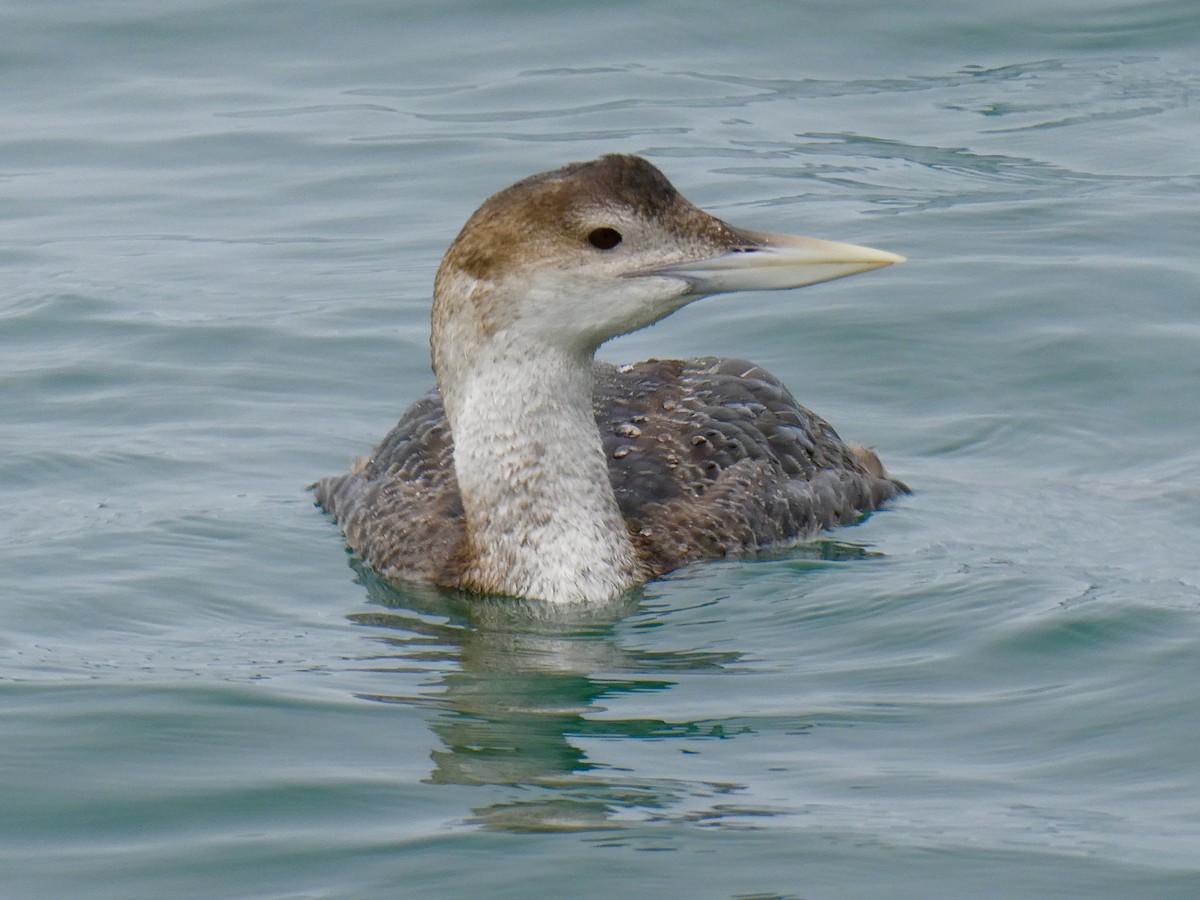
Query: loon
[{"x": 535, "y": 471}]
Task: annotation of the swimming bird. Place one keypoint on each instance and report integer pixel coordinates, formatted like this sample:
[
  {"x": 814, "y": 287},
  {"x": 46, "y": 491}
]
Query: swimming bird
[{"x": 535, "y": 471}]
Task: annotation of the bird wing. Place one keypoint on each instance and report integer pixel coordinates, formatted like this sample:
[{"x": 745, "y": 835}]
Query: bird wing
[
  {"x": 707, "y": 457},
  {"x": 712, "y": 457}
]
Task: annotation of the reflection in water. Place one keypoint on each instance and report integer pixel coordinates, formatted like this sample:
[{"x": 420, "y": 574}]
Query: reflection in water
[{"x": 521, "y": 682}]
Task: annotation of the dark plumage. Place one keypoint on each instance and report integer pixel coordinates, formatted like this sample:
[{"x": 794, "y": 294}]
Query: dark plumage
[{"x": 707, "y": 457}]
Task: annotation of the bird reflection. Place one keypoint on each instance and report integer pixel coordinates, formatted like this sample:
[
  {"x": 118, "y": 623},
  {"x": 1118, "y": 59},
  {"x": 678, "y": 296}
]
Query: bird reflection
[
  {"x": 523, "y": 688},
  {"x": 522, "y": 685}
]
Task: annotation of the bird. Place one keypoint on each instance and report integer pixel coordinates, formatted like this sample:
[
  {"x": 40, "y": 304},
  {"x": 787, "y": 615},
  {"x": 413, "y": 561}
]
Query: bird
[{"x": 533, "y": 470}]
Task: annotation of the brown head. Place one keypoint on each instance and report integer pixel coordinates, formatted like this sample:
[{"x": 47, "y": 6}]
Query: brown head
[{"x": 575, "y": 256}]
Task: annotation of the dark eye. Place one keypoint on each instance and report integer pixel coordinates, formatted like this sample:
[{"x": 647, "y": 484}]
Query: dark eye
[{"x": 604, "y": 238}]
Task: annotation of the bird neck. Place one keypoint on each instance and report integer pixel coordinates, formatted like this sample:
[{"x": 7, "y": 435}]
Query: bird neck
[{"x": 541, "y": 517}]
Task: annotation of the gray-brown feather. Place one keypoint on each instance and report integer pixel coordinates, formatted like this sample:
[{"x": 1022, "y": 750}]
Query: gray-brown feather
[{"x": 708, "y": 457}]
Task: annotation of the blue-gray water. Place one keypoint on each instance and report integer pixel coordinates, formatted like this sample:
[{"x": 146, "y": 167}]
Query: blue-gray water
[{"x": 218, "y": 227}]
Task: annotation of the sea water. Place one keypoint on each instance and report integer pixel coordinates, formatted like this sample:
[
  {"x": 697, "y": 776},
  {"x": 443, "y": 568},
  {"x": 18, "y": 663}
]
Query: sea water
[{"x": 218, "y": 229}]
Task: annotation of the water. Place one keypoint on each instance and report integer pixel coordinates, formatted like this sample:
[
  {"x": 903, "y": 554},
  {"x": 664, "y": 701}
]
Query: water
[{"x": 219, "y": 226}]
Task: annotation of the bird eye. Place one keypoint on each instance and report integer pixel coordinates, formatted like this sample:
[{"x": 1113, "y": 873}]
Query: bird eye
[{"x": 604, "y": 238}]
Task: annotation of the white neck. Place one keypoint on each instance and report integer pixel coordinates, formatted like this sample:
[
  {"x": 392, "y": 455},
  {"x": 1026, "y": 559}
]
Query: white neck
[{"x": 541, "y": 517}]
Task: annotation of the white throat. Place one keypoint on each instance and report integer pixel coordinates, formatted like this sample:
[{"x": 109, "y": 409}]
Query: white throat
[{"x": 541, "y": 517}]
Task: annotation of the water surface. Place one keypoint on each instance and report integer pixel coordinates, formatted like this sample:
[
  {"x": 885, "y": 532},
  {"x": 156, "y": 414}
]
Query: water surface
[{"x": 219, "y": 230}]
